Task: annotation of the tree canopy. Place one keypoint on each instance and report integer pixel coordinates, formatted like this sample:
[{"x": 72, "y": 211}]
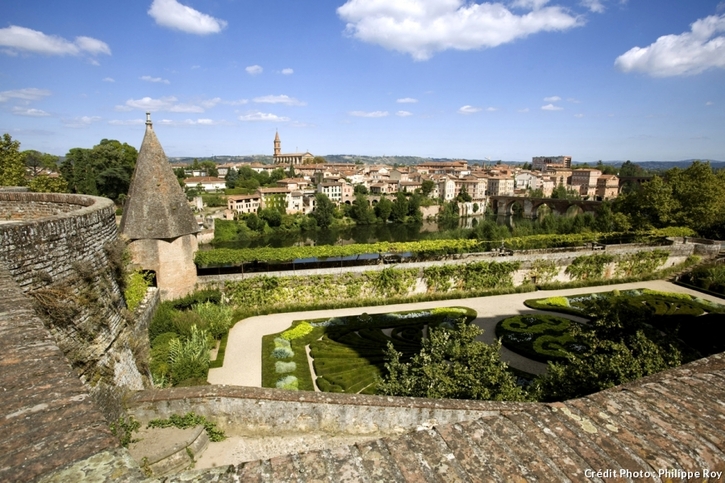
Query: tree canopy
[{"x": 12, "y": 164}]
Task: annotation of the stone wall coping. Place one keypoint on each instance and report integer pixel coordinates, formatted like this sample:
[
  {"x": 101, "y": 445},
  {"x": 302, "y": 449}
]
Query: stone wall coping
[
  {"x": 212, "y": 392},
  {"x": 86, "y": 204}
]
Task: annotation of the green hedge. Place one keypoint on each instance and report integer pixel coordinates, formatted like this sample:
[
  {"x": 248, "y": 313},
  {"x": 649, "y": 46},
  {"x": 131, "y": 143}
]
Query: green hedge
[{"x": 539, "y": 337}]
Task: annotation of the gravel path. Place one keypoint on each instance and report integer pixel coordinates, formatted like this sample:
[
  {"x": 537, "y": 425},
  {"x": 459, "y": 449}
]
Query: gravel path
[{"x": 243, "y": 360}]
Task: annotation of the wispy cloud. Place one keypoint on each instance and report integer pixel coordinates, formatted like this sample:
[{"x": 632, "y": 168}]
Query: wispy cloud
[
  {"x": 281, "y": 99},
  {"x": 552, "y": 99},
  {"x": 126, "y": 122},
  {"x": 407, "y": 100},
  {"x": 579, "y": 115},
  {"x": 551, "y": 107},
  {"x": 254, "y": 69},
  {"x": 525, "y": 109},
  {"x": 369, "y": 114},
  {"x": 595, "y": 6},
  {"x": 172, "y": 14},
  {"x": 28, "y": 94},
  {"x": 423, "y": 27},
  {"x": 709, "y": 103},
  {"x": 262, "y": 116},
  {"x": 168, "y": 104},
  {"x": 22, "y": 39},
  {"x": 288, "y": 71},
  {"x": 468, "y": 109},
  {"x": 403, "y": 113},
  {"x": 492, "y": 109},
  {"x": 159, "y": 80},
  {"x": 109, "y": 79},
  {"x": 689, "y": 53},
  {"x": 189, "y": 122},
  {"x": 22, "y": 111},
  {"x": 80, "y": 122}
]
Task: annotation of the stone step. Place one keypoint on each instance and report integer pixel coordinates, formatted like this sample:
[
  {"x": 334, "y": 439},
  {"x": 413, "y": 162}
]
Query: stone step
[{"x": 162, "y": 451}]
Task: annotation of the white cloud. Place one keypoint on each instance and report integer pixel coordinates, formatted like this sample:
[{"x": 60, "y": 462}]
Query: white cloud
[
  {"x": 579, "y": 115},
  {"x": 238, "y": 102},
  {"x": 28, "y": 94},
  {"x": 468, "y": 109},
  {"x": 189, "y": 122},
  {"x": 148, "y": 78},
  {"x": 288, "y": 71},
  {"x": 551, "y": 107},
  {"x": 575, "y": 101},
  {"x": 529, "y": 4},
  {"x": 172, "y": 14},
  {"x": 21, "y": 111},
  {"x": 254, "y": 69},
  {"x": 423, "y": 27},
  {"x": 262, "y": 116},
  {"x": 709, "y": 103},
  {"x": 403, "y": 113},
  {"x": 281, "y": 99},
  {"x": 28, "y": 40},
  {"x": 492, "y": 109},
  {"x": 525, "y": 109},
  {"x": 407, "y": 100},
  {"x": 369, "y": 114},
  {"x": 689, "y": 53},
  {"x": 109, "y": 79},
  {"x": 552, "y": 99},
  {"x": 79, "y": 122},
  {"x": 169, "y": 104},
  {"x": 595, "y": 6}
]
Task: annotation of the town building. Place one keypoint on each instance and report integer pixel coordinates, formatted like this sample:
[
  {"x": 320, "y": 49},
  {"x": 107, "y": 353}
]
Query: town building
[
  {"x": 544, "y": 163},
  {"x": 292, "y": 159}
]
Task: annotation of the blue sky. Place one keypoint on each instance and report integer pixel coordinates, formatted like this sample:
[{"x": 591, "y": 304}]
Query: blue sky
[{"x": 593, "y": 79}]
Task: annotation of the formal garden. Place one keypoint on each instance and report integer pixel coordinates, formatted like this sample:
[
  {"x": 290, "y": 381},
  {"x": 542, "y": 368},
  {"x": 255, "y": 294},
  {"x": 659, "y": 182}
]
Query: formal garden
[
  {"x": 348, "y": 353},
  {"x": 693, "y": 325}
]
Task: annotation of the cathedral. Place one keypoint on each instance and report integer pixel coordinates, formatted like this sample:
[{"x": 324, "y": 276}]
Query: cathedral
[{"x": 292, "y": 159}]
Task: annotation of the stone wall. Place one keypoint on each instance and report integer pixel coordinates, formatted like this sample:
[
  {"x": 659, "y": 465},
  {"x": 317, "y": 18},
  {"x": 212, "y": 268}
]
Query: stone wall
[
  {"x": 678, "y": 253},
  {"x": 70, "y": 263},
  {"x": 247, "y": 411}
]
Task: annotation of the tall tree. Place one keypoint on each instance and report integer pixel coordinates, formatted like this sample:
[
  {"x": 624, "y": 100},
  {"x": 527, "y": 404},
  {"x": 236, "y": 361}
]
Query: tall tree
[
  {"x": 12, "y": 164},
  {"x": 400, "y": 208},
  {"x": 383, "y": 208},
  {"x": 324, "y": 210},
  {"x": 361, "y": 211}
]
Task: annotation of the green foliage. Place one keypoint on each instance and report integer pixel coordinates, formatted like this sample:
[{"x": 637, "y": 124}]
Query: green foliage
[
  {"x": 640, "y": 263},
  {"x": 297, "y": 331},
  {"x": 324, "y": 210},
  {"x": 451, "y": 364},
  {"x": 190, "y": 420},
  {"x": 216, "y": 318},
  {"x": 555, "y": 302},
  {"x": 589, "y": 266},
  {"x": 189, "y": 359},
  {"x": 12, "y": 163},
  {"x": 288, "y": 382},
  {"x": 46, "y": 184},
  {"x": 281, "y": 367},
  {"x": 124, "y": 428},
  {"x": 390, "y": 282},
  {"x": 136, "y": 286},
  {"x": 543, "y": 271},
  {"x": 709, "y": 277}
]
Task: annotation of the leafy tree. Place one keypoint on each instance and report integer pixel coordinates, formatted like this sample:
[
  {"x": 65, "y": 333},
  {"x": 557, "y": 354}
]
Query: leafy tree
[
  {"x": 621, "y": 347},
  {"x": 400, "y": 208},
  {"x": 606, "y": 168},
  {"x": 37, "y": 162},
  {"x": 629, "y": 168},
  {"x": 277, "y": 175},
  {"x": 272, "y": 216},
  {"x": 319, "y": 160},
  {"x": 451, "y": 364},
  {"x": 360, "y": 188},
  {"x": 699, "y": 195},
  {"x": 415, "y": 215},
  {"x": 324, "y": 210},
  {"x": 427, "y": 187},
  {"x": 12, "y": 165},
  {"x": 46, "y": 184},
  {"x": 210, "y": 168},
  {"x": 383, "y": 208},
  {"x": 231, "y": 178},
  {"x": 463, "y": 195},
  {"x": 361, "y": 211},
  {"x": 104, "y": 170},
  {"x": 561, "y": 192},
  {"x": 537, "y": 193}
]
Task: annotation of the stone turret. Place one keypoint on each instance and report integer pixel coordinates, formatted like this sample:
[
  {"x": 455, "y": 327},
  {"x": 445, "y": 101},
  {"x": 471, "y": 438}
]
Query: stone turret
[
  {"x": 277, "y": 144},
  {"x": 159, "y": 222}
]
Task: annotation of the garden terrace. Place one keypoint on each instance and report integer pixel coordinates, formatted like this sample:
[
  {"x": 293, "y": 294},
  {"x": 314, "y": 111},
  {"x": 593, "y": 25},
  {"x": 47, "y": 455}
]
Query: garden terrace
[{"x": 348, "y": 353}]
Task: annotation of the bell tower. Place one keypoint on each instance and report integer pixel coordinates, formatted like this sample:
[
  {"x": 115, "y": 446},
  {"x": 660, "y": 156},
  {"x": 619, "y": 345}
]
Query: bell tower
[{"x": 277, "y": 145}]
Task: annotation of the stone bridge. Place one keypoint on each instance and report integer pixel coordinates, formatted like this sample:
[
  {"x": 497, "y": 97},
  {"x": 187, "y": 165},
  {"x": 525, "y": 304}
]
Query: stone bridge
[{"x": 504, "y": 205}]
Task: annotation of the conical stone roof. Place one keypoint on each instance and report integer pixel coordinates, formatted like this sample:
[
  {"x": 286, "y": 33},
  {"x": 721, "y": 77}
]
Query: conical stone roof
[{"x": 156, "y": 207}]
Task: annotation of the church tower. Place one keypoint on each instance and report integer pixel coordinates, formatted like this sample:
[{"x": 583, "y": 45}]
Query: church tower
[
  {"x": 158, "y": 221},
  {"x": 277, "y": 145}
]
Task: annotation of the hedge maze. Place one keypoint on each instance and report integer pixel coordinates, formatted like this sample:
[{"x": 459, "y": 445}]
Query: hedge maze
[
  {"x": 698, "y": 325},
  {"x": 348, "y": 352}
]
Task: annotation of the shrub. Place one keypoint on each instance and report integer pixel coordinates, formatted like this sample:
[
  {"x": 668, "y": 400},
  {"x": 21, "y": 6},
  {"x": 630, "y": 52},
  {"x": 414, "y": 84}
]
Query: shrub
[
  {"x": 216, "y": 318},
  {"x": 556, "y": 301},
  {"x": 287, "y": 382},
  {"x": 137, "y": 283},
  {"x": 300, "y": 330},
  {"x": 284, "y": 367}
]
